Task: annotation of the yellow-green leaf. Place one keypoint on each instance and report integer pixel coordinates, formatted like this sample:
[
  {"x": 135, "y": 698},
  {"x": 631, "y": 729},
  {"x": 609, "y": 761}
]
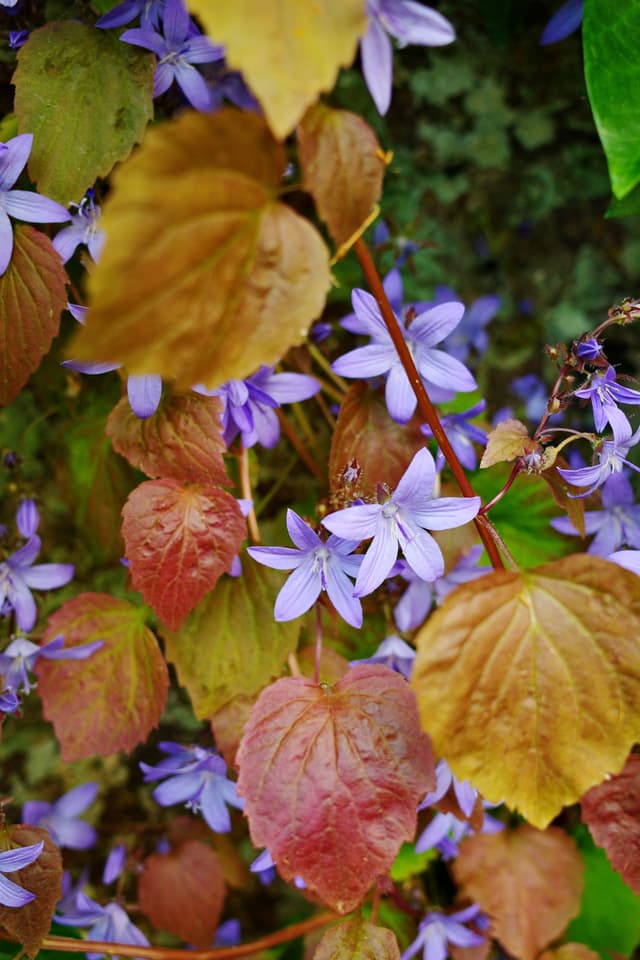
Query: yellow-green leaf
[
  {"x": 288, "y": 51},
  {"x": 230, "y": 645},
  {"x": 343, "y": 167},
  {"x": 357, "y": 939},
  {"x": 87, "y": 99},
  {"x": 529, "y": 682},
  {"x": 205, "y": 274}
]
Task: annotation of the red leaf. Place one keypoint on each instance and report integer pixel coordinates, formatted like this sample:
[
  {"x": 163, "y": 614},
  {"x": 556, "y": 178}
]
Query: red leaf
[
  {"x": 183, "y": 892},
  {"x": 332, "y": 777},
  {"x": 179, "y": 540},
  {"x": 612, "y": 812},
  {"x": 182, "y": 440},
  {"x": 32, "y": 297},
  {"x": 29, "y": 924},
  {"x": 111, "y": 700}
]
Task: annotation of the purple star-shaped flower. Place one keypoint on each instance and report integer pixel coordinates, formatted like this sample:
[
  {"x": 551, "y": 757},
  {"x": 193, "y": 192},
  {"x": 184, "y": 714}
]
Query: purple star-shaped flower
[
  {"x": 60, "y": 818},
  {"x": 611, "y": 459},
  {"x": 605, "y": 395},
  {"x": 12, "y": 895},
  {"x": 109, "y": 924},
  {"x": 406, "y": 21},
  {"x": 616, "y": 525},
  {"x": 462, "y": 436},
  {"x": 149, "y": 11},
  {"x": 84, "y": 229},
  {"x": 394, "y": 653},
  {"x": 177, "y": 51},
  {"x": 466, "y": 795},
  {"x": 197, "y": 777},
  {"x": 402, "y": 521},
  {"x": 443, "y": 375},
  {"x": 250, "y": 405},
  {"x": 316, "y": 566},
  {"x": 18, "y": 575},
  {"x": 22, "y": 204},
  {"x": 438, "y": 930},
  {"x": 20, "y": 657},
  {"x": 564, "y": 22}
]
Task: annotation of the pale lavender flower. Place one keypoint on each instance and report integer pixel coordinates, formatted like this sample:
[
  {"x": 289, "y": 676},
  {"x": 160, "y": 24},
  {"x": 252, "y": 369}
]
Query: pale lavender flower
[
  {"x": 445, "y": 832},
  {"x": 109, "y": 924},
  {"x": 589, "y": 349},
  {"x": 149, "y": 11},
  {"x": 443, "y": 375},
  {"x": 616, "y": 525},
  {"x": 394, "y": 653},
  {"x": 114, "y": 864},
  {"x": 462, "y": 436},
  {"x": 84, "y": 229},
  {"x": 22, "y": 204},
  {"x": 471, "y": 333},
  {"x": 611, "y": 459},
  {"x": 264, "y": 866},
  {"x": 406, "y": 21},
  {"x": 12, "y": 895},
  {"x": 177, "y": 51},
  {"x": 415, "y": 603},
  {"x": 605, "y": 395},
  {"x": 402, "y": 521},
  {"x": 20, "y": 657},
  {"x": 250, "y": 405},
  {"x": 629, "y": 559},
  {"x": 316, "y": 566},
  {"x": 438, "y": 930},
  {"x": 198, "y": 778},
  {"x": 466, "y": 794},
  {"x": 19, "y": 575},
  {"x": 564, "y": 22},
  {"x": 9, "y": 4},
  {"x": 27, "y": 518},
  {"x": 60, "y": 818}
]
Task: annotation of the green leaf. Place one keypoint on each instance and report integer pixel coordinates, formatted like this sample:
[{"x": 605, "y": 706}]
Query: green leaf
[
  {"x": 408, "y": 863},
  {"x": 613, "y": 84},
  {"x": 522, "y": 516},
  {"x": 609, "y": 918},
  {"x": 87, "y": 99},
  {"x": 230, "y": 644},
  {"x": 628, "y": 206}
]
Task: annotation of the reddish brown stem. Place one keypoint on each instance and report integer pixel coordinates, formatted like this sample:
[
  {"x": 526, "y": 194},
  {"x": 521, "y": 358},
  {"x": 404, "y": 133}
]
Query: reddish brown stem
[
  {"x": 425, "y": 405},
  {"x": 296, "y": 930}
]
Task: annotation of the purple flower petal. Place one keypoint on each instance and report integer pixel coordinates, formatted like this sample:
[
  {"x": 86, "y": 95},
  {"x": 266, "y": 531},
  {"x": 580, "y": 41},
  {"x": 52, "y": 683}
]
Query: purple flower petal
[
  {"x": 30, "y": 206},
  {"x": 13, "y": 159},
  {"x": 564, "y": 21},
  {"x": 48, "y": 576},
  {"x": 144, "y": 393},
  {"x": 301, "y": 534},
  {"x": 340, "y": 591},
  {"x": 378, "y": 560},
  {"x": 6, "y": 242},
  {"x": 279, "y": 558},
  {"x": 299, "y": 593},
  {"x": 411, "y": 22},
  {"x": 194, "y": 86},
  {"x": 377, "y": 64},
  {"x": 11, "y": 895}
]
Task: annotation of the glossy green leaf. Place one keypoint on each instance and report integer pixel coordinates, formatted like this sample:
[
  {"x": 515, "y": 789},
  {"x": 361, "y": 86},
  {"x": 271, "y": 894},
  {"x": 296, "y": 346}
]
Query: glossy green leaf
[
  {"x": 230, "y": 645},
  {"x": 613, "y": 84},
  {"x": 87, "y": 99}
]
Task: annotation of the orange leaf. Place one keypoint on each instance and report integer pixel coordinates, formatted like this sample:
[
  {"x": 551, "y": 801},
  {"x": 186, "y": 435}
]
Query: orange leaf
[
  {"x": 183, "y": 892},
  {"x": 528, "y": 881},
  {"x": 179, "y": 540},
  {"x": 529, "y": 682},
  {"x": 205, "y": 274},
  {"x": 32, "y": 297},
  {"x": 612, "y": 812},
  {"x": 343, "y": 167},
  {"x": 182, "y": 440},
  {"x": 31, "y": 923},
  {"x": 125, "y": 681},
  {"x": 332, "y": 777}
]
